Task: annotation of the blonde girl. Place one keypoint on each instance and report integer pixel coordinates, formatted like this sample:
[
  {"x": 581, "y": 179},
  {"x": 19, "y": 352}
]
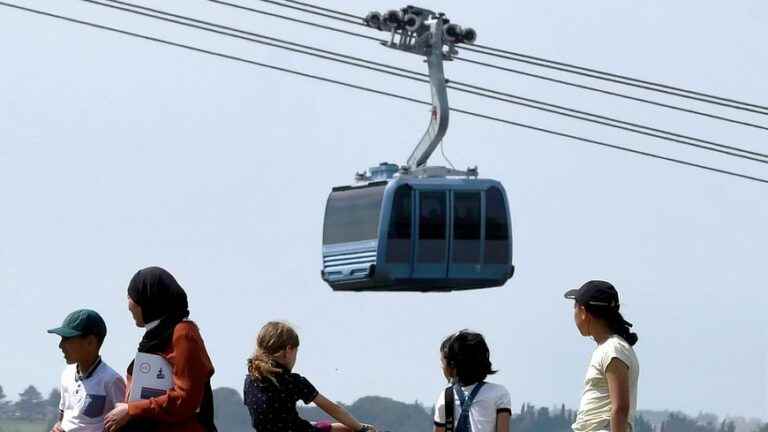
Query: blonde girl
[{"x": 272, "y": 390}]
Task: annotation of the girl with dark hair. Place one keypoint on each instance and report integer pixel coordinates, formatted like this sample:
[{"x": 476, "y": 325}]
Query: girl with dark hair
[
  {"x": 609, "y": 400},
  {"x": 272, "y": 389},
  {"x": 470, "y": 404},
  {"x": 159, "y": 304}
]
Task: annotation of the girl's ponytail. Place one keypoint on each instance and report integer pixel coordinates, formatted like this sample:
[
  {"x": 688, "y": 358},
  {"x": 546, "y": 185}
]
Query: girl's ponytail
[
  {"x": 615, "y": 321},
  {"x": 273, "y": 338},
  {"x": 621, "y": 327},
  {"x": 261, "y": 366}
]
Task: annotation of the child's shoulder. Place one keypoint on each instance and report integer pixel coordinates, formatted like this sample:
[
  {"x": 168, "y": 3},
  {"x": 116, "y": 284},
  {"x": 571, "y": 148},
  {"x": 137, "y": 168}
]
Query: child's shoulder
[
  {"x": 299, "y": 382},
  {"x": 614, "y": 345},
  {"x": 295, "y": 376},
  {"x": 251, "y": 381},
  {"x": 255, "y": 381},
  {"x": 108, "y": 372},
  {"x": 494, "y": 386},
  {"x": 296, "y": 379},
  {"x": 69, "y": 373},
  {"x": 495, "y": 389}
]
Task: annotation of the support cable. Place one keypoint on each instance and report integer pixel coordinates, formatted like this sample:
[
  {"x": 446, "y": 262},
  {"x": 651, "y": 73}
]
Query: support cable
[
  {"x": 624, "y": 77},
  {"x": 613, "y": 80},
  {"x": 379, "y": 92},
  {"x": 637, "y": 99},
  {"x": 617, "y": 78},
  {"x": 314, "y": 52}
]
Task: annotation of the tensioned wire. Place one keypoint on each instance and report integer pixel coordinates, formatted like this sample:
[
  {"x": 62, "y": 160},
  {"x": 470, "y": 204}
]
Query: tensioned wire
[
  {"x": 608, "y": 76},
  {"x": 314, "y": 52},
  {"x": 379, "y": 92},
  {"x": 351, "y": 33}
]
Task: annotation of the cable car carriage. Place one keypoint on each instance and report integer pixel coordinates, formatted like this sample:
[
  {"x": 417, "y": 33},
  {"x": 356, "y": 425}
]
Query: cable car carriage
[{"x": 418, "y": 228}]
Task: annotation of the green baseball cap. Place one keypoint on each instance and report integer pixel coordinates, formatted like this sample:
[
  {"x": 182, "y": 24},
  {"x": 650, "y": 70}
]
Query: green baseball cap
[{"x": 83, "y": 322}]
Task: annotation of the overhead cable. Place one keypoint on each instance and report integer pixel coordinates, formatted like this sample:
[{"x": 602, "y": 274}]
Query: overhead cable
[
  {"x": 616, "y": 78},
  {"x": 476, "y": 90},
  {"x": 612, "y": 80},
  {"x": 611, "y": 93},
  {"x": 379, "y": 92},
  {"x": 625, "y": 77},
  {"x": 461, "y": 58},
  {"x": 338, "y": 12},
  {"x": 309, "y": 11},
  {"x": 296, "y": 20}
]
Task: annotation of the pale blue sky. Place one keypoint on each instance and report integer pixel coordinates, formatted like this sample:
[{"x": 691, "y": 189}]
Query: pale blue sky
[{"x": 118, "y": 153}]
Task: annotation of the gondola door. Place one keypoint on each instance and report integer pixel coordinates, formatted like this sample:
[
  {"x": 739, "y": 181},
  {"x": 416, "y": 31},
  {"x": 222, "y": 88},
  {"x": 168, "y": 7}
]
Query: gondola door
[
  {"x": 466, "y": 247},
  {"x": 431, "y": 259},
  {"x": 400, "y": 237}
]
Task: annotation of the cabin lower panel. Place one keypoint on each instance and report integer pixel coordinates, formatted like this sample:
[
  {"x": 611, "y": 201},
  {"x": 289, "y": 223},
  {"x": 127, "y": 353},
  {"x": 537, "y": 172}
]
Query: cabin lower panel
[{"x": 419, "y": 285}]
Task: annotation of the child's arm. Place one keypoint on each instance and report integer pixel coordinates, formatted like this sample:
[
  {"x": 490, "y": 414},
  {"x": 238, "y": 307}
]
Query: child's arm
[
  {"x": 439, "y": 419},
  {"x": 617, "y": 374},
  {"x": 337, "y": 412},
  {"x": 502, "y": 421},
  {"x": 57, "y": 427}
]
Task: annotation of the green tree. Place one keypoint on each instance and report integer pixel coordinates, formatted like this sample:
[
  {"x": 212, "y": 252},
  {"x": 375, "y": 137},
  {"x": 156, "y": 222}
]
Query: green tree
[
  {"x": 682, "y": 423},
  {"x": 642, "y": 425},
  {"x": 30, "y": 405},
  {"x": 5, "y": 405},
  {"x": 727, "y": 426},
  {"x": 532, "y": 419},
  {"x": 54, "y": 397},
  {"x": 52, "y": 405}
]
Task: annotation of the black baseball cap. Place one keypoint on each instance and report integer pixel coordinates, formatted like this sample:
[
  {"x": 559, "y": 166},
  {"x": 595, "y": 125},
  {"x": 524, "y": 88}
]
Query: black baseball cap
[
  {"x": 82, "y": 322},
  {"x": 595, "y": 292}
]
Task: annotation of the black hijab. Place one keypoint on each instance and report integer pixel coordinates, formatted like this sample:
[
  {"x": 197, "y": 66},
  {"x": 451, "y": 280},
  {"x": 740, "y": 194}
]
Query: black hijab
[{"x": 161, "y": 297}]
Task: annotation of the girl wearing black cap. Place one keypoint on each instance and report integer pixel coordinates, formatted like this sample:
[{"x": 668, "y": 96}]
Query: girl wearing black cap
[
  {"x": 159, "y": 304},
  {"x": 609, "y": 400}
]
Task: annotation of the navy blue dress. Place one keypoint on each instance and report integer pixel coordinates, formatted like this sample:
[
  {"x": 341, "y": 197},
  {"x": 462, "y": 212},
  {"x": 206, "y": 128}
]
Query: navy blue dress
[{"x": 272, "y": 405}]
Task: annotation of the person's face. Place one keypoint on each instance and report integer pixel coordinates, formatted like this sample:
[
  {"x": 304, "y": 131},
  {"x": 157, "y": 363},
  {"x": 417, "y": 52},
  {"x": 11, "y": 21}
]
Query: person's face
[
  {"x": 448, "y": 371},
  {"x": 136, "y": 313},
  {"x": 581, "y": 318},
  {"x": 79, "y": 348},
  {"x": 289, "y": 356}
]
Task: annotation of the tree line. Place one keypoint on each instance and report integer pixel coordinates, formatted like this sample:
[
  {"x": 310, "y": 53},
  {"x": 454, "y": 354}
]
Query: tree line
[
  {"x": 31, "y": 405},
  {"x": 387, "y": 414}
]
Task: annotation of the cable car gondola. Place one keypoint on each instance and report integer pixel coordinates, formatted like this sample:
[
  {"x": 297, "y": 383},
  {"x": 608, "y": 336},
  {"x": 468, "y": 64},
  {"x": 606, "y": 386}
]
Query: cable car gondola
[{"x": 417, "y": 227}]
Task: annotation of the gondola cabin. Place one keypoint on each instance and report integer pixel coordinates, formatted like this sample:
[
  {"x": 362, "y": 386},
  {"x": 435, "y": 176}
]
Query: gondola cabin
[
  {"x": 420, "y": 227},
  {"x": 409, "y": 233}
]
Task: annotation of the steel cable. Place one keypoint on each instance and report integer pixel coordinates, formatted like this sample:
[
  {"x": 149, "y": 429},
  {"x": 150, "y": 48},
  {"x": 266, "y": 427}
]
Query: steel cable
[{"x": 379, "y": 92}]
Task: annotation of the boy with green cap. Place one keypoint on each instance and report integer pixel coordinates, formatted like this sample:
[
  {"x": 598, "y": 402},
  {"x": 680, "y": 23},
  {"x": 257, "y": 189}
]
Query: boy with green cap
[{"x": 89, "y": 387}]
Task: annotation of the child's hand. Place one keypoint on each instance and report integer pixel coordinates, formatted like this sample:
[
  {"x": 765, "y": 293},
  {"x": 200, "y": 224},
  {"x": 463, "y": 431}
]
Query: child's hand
[
  {"x": 116, "y": 418},
  {"x": 57, "y": 427}
]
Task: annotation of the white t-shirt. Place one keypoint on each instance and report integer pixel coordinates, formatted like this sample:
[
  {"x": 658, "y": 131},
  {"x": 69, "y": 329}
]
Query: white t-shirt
[
  {"x": 595, "y": 408},
  {"x": 86, "y": 400},
  {"x": 490, "y": 400}
]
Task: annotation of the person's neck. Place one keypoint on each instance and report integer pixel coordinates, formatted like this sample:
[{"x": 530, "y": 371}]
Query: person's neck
[
  {"x": 150, "y": 325},
  {"x": 84, "y": 366},
  {"x": 601, "y": 335},
  {"x": 284, "y": 365}
]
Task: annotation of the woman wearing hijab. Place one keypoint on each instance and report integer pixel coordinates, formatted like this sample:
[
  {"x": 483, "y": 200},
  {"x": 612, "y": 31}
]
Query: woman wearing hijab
[{"x": 159, "y": 304}]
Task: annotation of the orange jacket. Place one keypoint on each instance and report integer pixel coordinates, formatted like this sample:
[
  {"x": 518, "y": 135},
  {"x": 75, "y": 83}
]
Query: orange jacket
[{"x": 176, "y": 410}]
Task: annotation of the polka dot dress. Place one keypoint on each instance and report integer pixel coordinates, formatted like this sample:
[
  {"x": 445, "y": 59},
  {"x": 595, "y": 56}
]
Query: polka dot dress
[{"x": 272, "y": 405}]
